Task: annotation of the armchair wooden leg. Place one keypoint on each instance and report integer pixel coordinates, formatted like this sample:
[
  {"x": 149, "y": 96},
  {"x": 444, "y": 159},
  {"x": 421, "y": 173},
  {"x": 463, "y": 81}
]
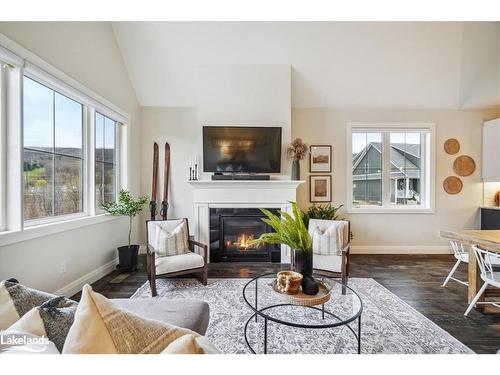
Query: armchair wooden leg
[
  {"x": 152, "y": 285},
  {"x": 203, "y": 276}
]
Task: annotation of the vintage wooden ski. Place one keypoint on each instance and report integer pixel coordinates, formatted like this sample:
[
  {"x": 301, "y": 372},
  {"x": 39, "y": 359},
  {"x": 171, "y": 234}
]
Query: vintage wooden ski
[
  {"x": 166, "y": 169},
  {"x": 152, "y": 203}
]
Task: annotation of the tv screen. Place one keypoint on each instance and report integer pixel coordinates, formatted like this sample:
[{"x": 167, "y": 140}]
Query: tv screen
[{"x": 241, "y": 149}]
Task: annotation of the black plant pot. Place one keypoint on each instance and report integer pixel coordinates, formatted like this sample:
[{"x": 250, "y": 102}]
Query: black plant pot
[
  {"x": 303, "y": 262},
  {"x": 127, "y": 257}
]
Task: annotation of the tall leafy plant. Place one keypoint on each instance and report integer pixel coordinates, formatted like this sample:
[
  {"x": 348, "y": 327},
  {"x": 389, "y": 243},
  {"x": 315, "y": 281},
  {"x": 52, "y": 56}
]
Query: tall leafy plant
[
  {"x": 126, "y": 205},
  {"x": 289, "y": 230}
]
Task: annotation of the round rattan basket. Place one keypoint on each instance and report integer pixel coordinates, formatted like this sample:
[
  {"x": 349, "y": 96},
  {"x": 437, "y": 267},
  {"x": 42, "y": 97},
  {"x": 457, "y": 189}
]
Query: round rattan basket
[{"x": 301, "y": 299}]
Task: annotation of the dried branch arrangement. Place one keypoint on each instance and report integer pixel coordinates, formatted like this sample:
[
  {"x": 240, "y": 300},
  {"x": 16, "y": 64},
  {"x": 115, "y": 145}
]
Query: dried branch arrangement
[{"x": 297, "y": 150}]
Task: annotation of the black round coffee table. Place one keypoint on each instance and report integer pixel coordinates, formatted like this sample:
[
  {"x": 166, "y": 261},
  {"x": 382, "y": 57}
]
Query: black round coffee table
[{"x": 344, "y": 307}]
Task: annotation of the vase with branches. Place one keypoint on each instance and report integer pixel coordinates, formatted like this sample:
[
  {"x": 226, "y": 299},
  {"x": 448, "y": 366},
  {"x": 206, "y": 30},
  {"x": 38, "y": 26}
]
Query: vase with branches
[
  {"x": 296, "y": 152},
  {"x": 128, "y": 206}
]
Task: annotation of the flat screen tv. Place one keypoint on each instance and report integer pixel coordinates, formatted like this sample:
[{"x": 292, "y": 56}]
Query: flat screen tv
[{"x": 241, "y": 149}]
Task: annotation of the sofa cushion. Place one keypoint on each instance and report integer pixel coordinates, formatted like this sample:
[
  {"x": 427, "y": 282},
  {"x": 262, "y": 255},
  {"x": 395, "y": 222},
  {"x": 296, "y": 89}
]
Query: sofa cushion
[
  {"x": 16, "y": 300},
  {"x": 52, "y": 319},
  {"x": 176, "y": 263},
  {"x": 193, "y": 315},
  {"x": 103, "y": 328}
]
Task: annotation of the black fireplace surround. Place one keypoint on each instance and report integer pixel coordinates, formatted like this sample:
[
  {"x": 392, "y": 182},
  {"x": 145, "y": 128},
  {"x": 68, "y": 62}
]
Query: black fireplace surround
[{"x": 230, "y": 231}]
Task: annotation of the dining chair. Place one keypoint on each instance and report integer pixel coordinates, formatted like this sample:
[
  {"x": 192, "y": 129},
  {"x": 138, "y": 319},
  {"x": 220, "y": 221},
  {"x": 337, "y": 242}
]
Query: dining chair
[
  {"x": 486, "y": 260},
  {"x": 462, "y": 256}
]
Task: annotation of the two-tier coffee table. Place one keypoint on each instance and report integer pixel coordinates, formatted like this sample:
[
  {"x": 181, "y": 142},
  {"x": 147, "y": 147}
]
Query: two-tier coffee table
[{"x": 271, "y": 306}]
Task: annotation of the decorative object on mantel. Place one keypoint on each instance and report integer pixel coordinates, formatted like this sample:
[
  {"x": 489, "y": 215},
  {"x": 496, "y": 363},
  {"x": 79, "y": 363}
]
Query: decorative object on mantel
[
  {"x": 464, "y": 165},
  {"x": 288, "y": 282},
  {"x": 451, "y": 146},
  {"x": 126, "y": 205},
  {"x": 452, "y": 185},
  {"x": 320, "y": 188},
  {"x": 193, "y": 169},
  {"x": 320, "y": 159},
  {"x": 296, "y": 152}
]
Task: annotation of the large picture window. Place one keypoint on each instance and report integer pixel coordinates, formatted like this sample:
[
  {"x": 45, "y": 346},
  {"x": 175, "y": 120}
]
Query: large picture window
[
  {"x": 389, "y": 167},
  {"x": 53, "y": 152},
  {"x": 105, "y": 160}
]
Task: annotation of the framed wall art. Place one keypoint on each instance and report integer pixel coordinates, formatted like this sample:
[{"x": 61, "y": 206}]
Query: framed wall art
[
  {"x": 320, "y": 159},
  {"x": 320, "y": 188}
]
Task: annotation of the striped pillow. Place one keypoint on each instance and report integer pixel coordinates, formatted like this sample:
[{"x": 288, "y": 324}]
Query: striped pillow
[{"x": 172, "y": 238}]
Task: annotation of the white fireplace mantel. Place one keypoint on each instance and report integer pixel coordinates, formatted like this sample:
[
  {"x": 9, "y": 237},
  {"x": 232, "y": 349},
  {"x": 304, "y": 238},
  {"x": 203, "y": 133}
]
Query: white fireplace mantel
[{"x": 240, "y": 194}]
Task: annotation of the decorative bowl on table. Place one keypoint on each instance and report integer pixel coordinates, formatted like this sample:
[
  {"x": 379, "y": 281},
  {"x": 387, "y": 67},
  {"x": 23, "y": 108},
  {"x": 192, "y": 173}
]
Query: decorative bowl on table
[{"x": 288, "y": 282}]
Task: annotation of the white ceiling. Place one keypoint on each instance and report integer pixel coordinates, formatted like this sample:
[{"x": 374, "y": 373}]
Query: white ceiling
[{"x": 334, "y": 64}]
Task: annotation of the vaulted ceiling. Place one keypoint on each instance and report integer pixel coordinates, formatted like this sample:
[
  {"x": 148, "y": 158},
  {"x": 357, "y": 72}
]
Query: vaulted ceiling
[{"x": 334, "y": 64}]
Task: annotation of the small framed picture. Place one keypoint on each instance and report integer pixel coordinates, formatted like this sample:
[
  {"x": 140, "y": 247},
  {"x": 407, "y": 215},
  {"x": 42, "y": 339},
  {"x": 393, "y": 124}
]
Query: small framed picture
[
  {"x": 320, "y": 159},
  {"x": 320, "y": 188}
]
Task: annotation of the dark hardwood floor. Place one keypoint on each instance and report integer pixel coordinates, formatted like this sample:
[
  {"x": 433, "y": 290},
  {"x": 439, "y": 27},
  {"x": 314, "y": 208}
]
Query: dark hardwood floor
[{"x": 416, "y": 279}]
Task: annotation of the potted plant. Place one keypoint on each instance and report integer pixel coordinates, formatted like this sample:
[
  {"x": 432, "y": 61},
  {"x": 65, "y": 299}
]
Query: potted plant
[
  {"x": 126, "y": 205},
  {"x": 323, "y": 212},
  {"x": 291, "y": 231},
  {"x": 296, "y": 152}
]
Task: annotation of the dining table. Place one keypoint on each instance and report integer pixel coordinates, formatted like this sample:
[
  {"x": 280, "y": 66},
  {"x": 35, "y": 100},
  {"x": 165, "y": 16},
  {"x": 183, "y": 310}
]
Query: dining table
[{"x": 486, "y": 239}]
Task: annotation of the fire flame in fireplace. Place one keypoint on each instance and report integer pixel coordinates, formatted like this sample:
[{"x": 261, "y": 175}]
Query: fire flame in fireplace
[{"x": 244, "y": 241}]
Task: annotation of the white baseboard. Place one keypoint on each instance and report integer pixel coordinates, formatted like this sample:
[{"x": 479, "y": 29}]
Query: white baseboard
[
  {"x": 401, "y": 249},
  {"x": 76, "y": 286}
]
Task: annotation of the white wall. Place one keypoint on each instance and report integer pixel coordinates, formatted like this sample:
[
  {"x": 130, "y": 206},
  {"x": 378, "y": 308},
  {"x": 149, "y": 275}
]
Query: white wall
[
  {"x": 226, "y": 95},
  {"x": 401, "y": 232},
  {"x": 335, "y": 64},
  {"x": 88, "y": 53},
  {"x": 252, "y": 95},
  {"x": 480, "y": 69}
]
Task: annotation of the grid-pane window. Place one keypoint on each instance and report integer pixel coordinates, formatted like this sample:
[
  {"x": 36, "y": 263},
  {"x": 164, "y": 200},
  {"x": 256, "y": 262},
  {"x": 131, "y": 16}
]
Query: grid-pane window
[
  {"x": 53, "y": 152},
  {"x": 105, "y": 160},
  {"x": 390, "y": 167},
  {"x": 367, "y": 168},
  {"x": 406, "y": 164}
]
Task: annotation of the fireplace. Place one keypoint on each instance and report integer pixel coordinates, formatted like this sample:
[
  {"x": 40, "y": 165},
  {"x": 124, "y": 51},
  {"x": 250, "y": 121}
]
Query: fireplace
[{"x": 231, "y": 230}]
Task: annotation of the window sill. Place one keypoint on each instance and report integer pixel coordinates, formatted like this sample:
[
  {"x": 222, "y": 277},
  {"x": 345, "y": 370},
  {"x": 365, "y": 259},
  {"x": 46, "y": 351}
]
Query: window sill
[
  {"x": 32, "y": 232},
  {"x": 403, "y": 211}
]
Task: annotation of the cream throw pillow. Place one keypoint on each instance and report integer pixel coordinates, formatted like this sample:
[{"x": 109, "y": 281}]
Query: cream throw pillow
[
  {"x": 171, "y": 238},
  {"x": 328, "y": 236},
  {"x": 102, "y": 328}
]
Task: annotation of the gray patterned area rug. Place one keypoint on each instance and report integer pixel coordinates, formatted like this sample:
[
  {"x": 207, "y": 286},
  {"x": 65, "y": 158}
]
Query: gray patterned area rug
[{"x": 389, "y": 325}]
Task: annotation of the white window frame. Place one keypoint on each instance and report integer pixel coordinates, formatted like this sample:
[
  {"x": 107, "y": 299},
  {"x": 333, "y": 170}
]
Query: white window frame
[
  {"x": 12, "y": 226},
  {"x": 56, "y": 86},
  {"x": 118, "y": 141},
  {"x": 429, "y": 160}
]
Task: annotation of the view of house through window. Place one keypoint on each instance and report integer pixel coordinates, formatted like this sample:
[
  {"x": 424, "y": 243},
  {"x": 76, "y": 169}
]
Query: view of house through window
[
  {"x": 403, "y": 175},
  {"x": 105, "y": 160},
  {"x": 53, "y": 152}
]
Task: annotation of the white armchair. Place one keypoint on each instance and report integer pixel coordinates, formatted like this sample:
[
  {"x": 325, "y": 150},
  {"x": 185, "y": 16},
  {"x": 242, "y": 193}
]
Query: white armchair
[
  {"x": 171, "y": 253},
  {"x": 331, "y": 246}
]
